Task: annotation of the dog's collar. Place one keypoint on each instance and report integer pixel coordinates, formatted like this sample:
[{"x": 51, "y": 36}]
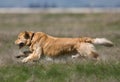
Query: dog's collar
[{"x": 31, "y": 38}]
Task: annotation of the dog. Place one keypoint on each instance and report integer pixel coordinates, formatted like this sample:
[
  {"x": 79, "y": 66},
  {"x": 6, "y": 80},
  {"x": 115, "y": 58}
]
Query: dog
[{"x": 43, "y": 44}]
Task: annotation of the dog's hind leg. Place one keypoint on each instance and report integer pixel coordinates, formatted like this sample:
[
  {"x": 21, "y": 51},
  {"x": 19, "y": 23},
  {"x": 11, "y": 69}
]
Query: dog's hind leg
[
  {"x": 87, "y": 50},
  {"x": 94, "y": 56}
]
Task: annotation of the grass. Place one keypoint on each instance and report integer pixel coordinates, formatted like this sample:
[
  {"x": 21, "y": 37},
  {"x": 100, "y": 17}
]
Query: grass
[
  {"x": 60, "y": 72},
  {"x": 62, "y": 25},
  {"x": 101, "y": 71}
]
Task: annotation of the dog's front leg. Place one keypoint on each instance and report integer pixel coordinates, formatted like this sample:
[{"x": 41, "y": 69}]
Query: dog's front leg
[
  {"x": 33, "y": 56},
  {"x": 23, "y": 54}
]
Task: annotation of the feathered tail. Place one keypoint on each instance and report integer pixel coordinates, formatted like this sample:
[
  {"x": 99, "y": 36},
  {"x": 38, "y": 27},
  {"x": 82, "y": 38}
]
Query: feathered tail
[{"x": 102, "y": 41}]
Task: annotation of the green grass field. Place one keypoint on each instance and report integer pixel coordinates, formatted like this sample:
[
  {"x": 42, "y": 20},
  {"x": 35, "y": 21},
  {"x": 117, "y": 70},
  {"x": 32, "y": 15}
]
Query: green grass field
[
  {"x": 84, "y": 72},
  {"x": 63, "y": 25}
]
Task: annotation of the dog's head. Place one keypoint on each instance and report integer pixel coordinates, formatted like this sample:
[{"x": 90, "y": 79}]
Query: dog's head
[{"x": 24, "y": 39}]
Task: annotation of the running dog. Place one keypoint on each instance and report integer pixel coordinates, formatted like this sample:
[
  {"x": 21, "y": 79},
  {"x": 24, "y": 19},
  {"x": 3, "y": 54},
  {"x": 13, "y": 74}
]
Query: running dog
[{"x": 43, "y": 44}]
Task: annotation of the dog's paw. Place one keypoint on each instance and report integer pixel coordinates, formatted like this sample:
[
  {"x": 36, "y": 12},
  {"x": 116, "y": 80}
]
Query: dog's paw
[
  {"x": 49, "y": 59},
  {"x": 17, "y": 56},
  {"x": 25, "y": 60},
  {"x": 75, "y": 56}
]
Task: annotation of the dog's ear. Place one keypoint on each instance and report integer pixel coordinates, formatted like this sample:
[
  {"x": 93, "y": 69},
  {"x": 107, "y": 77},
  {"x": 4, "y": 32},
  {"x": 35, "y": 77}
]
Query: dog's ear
[{"x": 27, "y": 36}]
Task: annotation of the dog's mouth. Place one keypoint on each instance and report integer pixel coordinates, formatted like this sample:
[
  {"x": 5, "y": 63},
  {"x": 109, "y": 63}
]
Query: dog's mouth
[{"x": 21, "y": 45}]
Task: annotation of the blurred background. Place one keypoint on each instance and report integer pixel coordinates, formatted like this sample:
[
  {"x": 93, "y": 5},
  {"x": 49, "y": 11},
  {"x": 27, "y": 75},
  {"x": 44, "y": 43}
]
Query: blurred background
[
  {"x": 65, "y": 18},
  {"x": 74, "y": 6},
  {"x": 58, "y": 3},
  {"x": 61, "y": 18}
]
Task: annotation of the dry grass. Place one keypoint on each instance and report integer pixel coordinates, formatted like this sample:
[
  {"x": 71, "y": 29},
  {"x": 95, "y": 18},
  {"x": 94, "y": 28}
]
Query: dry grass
[{"x": 63, "y": 25}]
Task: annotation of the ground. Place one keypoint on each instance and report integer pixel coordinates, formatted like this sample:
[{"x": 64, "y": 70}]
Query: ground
[{"x": 62, "y": 25}]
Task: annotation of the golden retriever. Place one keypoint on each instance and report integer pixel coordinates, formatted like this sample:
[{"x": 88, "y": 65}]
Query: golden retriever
[{"x": 43, "y": 44}]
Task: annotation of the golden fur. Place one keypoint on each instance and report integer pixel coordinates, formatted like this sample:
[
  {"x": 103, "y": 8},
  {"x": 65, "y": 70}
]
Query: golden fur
[{"x": 42, "y": 44}]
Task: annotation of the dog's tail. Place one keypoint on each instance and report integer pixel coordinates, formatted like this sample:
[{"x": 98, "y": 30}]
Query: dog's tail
[
  {"x": 102, "y": 41},
  {"x": 98, "y": 41}
]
